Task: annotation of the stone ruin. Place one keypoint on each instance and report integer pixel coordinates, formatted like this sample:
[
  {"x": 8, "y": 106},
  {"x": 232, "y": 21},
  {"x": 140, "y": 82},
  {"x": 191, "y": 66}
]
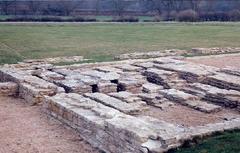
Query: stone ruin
[
  {"x": 134, "y": 106},
  {"x": 178, "y": 52}
]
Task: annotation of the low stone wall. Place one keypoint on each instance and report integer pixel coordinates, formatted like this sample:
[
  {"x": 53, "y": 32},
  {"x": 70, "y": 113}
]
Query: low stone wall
[
  {"x": 153, "y": 54},
  {"x": 56, "y": 59},
  {"x": 114, "y": 132},
  {"x": 216, "y": 50},
  {"x": 8, "y": 89},
  {"x": 30, "y": 88},
  {"x": 177, "y": 52}
]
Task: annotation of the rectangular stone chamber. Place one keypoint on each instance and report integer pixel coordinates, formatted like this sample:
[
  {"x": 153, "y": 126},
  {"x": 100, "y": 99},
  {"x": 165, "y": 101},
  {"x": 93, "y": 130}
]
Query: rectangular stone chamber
[{"x": 150, "y": 105}]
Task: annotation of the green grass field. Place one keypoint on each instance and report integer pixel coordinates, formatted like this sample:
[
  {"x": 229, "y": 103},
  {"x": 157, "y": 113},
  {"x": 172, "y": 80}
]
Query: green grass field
[
  {"x": 102, "y": 41},
  {"x": 226, "y": 143}
]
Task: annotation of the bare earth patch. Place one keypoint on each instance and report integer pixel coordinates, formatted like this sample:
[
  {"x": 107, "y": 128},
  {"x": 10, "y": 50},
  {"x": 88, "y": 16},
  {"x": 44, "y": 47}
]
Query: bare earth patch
[
  {"x": 185, "y": 116},
  {"x": 220, "y": 61},
  {"x": 25, "y": 129}
]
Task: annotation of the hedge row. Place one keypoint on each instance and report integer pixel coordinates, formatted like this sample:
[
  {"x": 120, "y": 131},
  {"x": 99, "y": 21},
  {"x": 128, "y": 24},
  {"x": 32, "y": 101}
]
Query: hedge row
[
  {"x": 48, "y": 19},
  {"x": 182, "y": 16}
]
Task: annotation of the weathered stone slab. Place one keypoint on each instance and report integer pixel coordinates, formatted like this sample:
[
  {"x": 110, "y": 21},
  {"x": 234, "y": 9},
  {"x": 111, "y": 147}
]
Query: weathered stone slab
[
  {"x": 106, "y": 87},
  {"x": 65, "y": 71},
  {"x": 122, "y": 106},
  {"x": 30, "y": 86},
  {"x": 167, "y": 60},
  {"x": 130, "y": 85},
  {"x": 189, "y": 71},
  {"x": 88, "y": 80},
  {"x": 48, "y": 75},
  {"x": 106, "y": 69},
  {"x": 151, "y": 88},
  {"x": 128, "y": 68},
  {"x": 223, "y": 81},
  {"x": 126, "y": 96},
  {"x": 9, "y": 74},
  {"x": 160, "y": 77},
  {"x": 228, "y": 98},
  {"x": 108, "y": 76},
  {"x": 74, "y": 86},
  {"x": 144, "y": 65},
  {"x": 231, "y": 70},
  {"x": 189, "y": 100},
  {"x": 151, "y": 99}
]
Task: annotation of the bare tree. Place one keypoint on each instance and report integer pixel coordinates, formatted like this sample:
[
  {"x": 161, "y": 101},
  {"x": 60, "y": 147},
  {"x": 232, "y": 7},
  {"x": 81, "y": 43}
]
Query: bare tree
[
  {"x": 119, "y": 7},
  {"x": 34, "y": 6},
  {"x": 5, "y": 5},
  {"x": 97, "y": 6},
  {"x": 156, "y": 5},
  {"x": 68, "y": 6},
  {"x": 169, "y": 5},
  {"x": 195, "y": 4},
  {"x": 178, "y": 5}
]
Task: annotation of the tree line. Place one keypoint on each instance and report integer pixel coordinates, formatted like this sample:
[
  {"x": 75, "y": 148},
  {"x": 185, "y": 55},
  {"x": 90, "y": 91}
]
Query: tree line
[{"x": 203, "y": 10}]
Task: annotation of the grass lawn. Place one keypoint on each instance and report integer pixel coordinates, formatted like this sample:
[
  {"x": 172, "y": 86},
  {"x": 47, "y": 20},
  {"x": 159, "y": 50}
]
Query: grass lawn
[
  {"x": 102, "y": 41},
  {"x": 226, "y": 143}
]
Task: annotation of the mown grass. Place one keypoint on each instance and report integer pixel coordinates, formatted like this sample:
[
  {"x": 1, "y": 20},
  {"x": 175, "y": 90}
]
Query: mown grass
[
  {"x": 225, "y": 143},
  {"x": 96, "y": 40}
]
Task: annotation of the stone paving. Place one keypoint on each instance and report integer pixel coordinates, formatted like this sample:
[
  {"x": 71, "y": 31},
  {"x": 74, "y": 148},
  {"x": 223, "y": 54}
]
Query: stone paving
[{"x": 119, "y": 106}]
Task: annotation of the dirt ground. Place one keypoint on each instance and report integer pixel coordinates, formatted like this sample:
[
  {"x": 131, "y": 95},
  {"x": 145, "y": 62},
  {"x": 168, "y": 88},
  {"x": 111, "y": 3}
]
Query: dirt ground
[
  {"x": 185, "y": 116},
  {"x": 25, "y": 129},
  {"x": 220, "y": 61}
]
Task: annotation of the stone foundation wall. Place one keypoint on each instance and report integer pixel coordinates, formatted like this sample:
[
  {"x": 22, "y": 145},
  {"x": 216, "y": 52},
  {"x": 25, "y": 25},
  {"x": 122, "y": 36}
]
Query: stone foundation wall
[
  {"x": 127, "y": 106},
  {"x": 8, "y": 89},
  {"x": 115, "y": 132}
]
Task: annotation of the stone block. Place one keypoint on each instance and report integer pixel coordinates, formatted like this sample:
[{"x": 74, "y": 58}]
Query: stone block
[
  {"x": 128, "y": 108},
  {"x": 8, "y": 89}
]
